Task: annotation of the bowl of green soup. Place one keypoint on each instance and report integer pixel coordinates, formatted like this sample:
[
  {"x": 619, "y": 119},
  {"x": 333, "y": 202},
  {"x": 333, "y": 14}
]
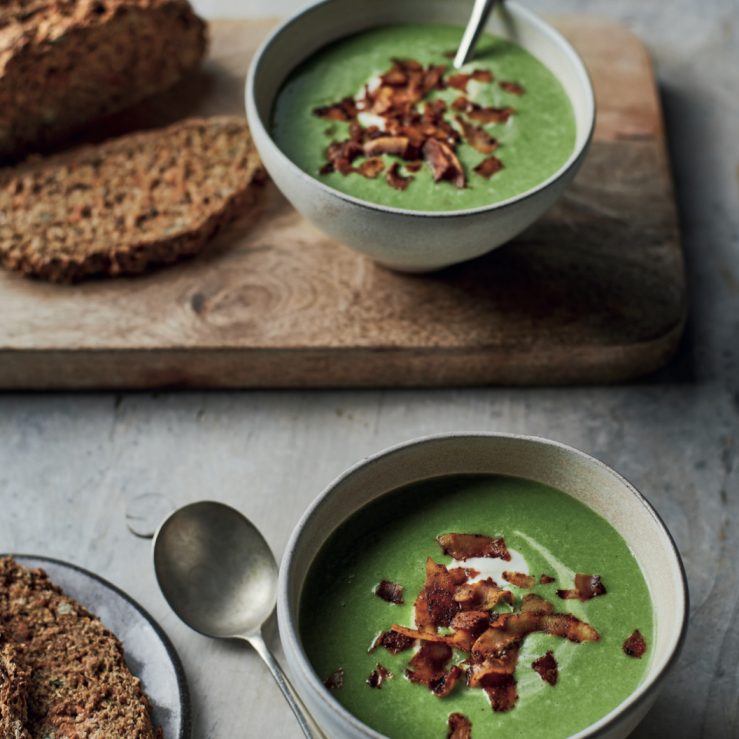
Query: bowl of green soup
[
  {"x": 480, "y": 585},
  {"x": 367, "y": 128}
]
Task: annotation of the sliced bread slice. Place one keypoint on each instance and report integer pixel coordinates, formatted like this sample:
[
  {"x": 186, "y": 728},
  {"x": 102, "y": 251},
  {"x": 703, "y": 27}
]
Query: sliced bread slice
[
  {"x": 123, "y": 205},
  {"x": 66, "y": 62},
  {"x": 80, "y": 685}
]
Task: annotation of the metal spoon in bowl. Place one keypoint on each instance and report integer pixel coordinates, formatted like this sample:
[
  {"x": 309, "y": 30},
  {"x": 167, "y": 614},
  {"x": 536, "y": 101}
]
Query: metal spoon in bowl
[
  {"x": 219, "y": 576},
  {"x": 480, "y": 12}
]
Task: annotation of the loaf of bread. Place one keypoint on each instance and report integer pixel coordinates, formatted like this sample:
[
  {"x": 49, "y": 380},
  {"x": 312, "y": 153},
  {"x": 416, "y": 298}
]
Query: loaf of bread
[
  {"x": 77, "y": 683},
  {"x": 67, "y": 62},
  {"x": 120, "y": 206}
]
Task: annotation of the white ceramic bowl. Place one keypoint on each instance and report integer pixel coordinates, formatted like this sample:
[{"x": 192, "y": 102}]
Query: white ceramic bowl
[
  {"x": 405, "y": 239},
  {"x": 548, "y": 462}
]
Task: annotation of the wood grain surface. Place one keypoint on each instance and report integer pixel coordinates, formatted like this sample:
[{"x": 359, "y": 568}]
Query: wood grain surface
[{"x": 594, "y": 292}]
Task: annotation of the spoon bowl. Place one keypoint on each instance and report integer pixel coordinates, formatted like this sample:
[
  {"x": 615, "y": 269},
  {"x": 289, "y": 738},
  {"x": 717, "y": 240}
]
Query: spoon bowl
[
  {"x": 219, "y": 576},
  {"x": 215, "y": 570}
]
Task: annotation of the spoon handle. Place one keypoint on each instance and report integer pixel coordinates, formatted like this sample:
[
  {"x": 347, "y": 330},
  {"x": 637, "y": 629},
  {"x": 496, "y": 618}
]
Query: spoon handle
[
  {"x": 307, "y": 723},
  {"x": 480, "y": 12}
]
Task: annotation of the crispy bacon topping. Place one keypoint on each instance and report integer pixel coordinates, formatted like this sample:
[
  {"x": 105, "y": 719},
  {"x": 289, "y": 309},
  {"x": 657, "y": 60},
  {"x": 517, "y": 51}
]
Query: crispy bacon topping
[
  {"x": 503, "y": 697},
  {"x": 466, "y": 546},
  {"x": 519, "y": 579},
  {"x": 586, "y": 587},
  {"x": 395, "y": 179},
  {"x": 335, "y": 680},
  {"x": 389, "y": 591},
  {"x": 393, "y": 641},
  {"x": 547, "y": 668},
  {"x": 378, "y": 676},
  {"x": 428, "y": 665},
  {"x": 545, "y": 580},
  {"x": 412, "y": 124},
  {"x": 371, "y": 168},
  {"x": 513, "y": 87},
  {"x": 482, "y": 595},
  {"x": 477, "y": 137},
  {"x": 635, "y": 645},
  {"x": 443, "y": 162},
  {"x": 460, "y": 727},
  {"x": 488, "y": 115},
  {"x": 435, "y": 605},
  {"x": 441, "y": 688},
  {"x": 344, "y": 110},
  {"x": 488, "y": 167},
  {"x": 533, "y": 603},
  {"x": 557, "y": 624},
  {"x": 453, "y": 613}
]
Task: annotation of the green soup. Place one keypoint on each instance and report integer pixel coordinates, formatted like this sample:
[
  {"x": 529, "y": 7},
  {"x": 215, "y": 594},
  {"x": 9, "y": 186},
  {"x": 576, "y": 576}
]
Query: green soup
[
  {"x": 547, "y": 532},
  {"x": 531, "y": 145}
]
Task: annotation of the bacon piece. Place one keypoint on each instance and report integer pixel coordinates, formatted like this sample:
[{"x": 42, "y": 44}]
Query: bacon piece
[
  {"x": 466, "y": 546},
  {"x": 433, "y": 78},
  {"x": 340, "y": 156},
  {"x": 458, "y": 81},
  {"x": 503, "y": 697},
  {"x": 389, "y": 591},
  {"x": 547, "y": 668},
  {"x": 398, "y": 145},
  {"x": 458, "y": 640},
  {"x": 519, "y": 579},
  {"x": 635, "y": 645},
  {"x": 460, "y": 104},
  {"x": 335, "y": 680},
  {"x": 344, "y": 110},
  {"x": 533, "y": 603},
  {"x": 488, "y": 167},
  {"x": 557, "y": 624},
  {"x": 482, "y": 75},
  {"x": 489, "y": 115},
  {"x": 493, "y": 643},
  {"x": 460, "y": 727},
  {"x": 395, "y": 179},
  {"x": 482, "y": 595},
  {"x": 477, "y": 137},
  {"x": 545, "y": 580},
  {"x": 473, "y": 621},
  {"x": 459, "y": 575},
  {"x": 441, "y": 688},
  {"x": 413, "y": 166},
  {"x": 586, "y": 587},
  {"x": 513, "y": 87},
  {"x": 429, "y": 663},
  {"x": 443, "y": 162},
  {"x": 378, "y": 676},
  {"x": 435, "y": 605},
  {"x": 393, "y": 641}
]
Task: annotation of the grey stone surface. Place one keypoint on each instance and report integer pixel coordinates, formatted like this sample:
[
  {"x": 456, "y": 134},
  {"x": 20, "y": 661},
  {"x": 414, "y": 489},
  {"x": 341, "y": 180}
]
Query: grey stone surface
[{"x": 70, "y": 463}]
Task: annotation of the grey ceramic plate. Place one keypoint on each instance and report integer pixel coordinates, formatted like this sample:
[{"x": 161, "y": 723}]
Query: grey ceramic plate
[{"x": 149, "y": 653}]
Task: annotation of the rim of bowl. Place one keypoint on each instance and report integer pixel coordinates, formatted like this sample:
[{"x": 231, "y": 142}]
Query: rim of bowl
[
  {"x": 255, "y": 120},
  {"x": 642, "y": 691}
]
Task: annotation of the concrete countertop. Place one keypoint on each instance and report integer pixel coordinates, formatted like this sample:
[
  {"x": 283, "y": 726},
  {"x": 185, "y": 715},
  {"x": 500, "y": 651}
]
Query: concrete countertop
[{"x": 69, "y": 463}]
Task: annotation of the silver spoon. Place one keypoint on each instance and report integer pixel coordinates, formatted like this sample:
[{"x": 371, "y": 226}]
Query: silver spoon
[
  {"x": 219, "y": 576},
  {"x": 480, "y": 13}
]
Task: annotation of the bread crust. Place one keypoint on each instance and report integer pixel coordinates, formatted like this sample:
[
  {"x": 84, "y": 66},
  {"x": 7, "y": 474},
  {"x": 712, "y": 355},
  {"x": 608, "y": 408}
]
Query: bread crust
[
  {"x": 64, "y": 63},
  {"x": 194, "y": 176}
]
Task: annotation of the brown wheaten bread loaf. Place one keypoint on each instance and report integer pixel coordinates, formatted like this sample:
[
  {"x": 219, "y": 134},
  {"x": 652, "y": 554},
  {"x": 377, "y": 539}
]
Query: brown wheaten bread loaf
[
  {"x": 117, "y": 207},
  {"x": 66, "y": 62},
  {"x": 14, "y": 682},
  {"x": 80, "y": 686}
]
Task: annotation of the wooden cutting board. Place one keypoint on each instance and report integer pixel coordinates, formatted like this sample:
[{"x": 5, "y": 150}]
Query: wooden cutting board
[{"x": 594, "y": 292}]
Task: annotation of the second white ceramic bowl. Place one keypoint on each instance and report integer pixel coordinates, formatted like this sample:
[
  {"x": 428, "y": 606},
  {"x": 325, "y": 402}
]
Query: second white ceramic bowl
[
  {"x": 406, "y": 239},
  {"x": 547, "y": 462}
]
